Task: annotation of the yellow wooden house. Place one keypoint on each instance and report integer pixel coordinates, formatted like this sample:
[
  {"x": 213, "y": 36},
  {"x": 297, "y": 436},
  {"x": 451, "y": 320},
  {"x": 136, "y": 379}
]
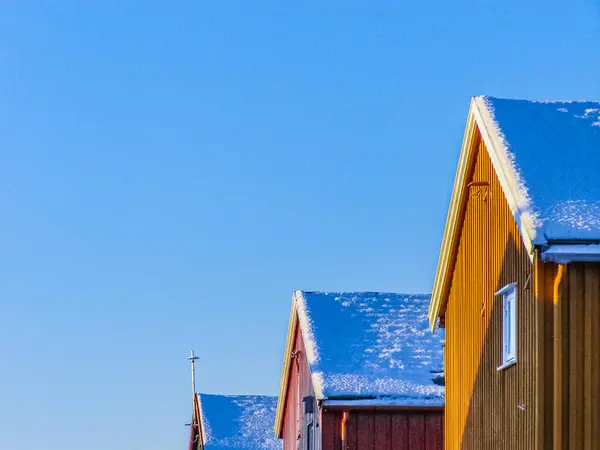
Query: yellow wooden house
[{"x": 517, "y": 287}]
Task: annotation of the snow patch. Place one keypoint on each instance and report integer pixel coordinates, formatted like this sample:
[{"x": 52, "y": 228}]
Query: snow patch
[
  {"x": 312, "y": 351},
  {"x": 318, "y": 382},
  {"x": 550, "y": 102},
  {"x": 577, "y": 214}
]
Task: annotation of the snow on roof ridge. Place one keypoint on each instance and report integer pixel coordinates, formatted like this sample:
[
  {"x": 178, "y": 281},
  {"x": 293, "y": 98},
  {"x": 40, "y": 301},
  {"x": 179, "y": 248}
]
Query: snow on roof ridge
[
  {"x": 202, "y": 394},
  {"x": 524, "y": 203},
  {"x": 312, "y": 353},
  {"x": 411, "y": 294}
]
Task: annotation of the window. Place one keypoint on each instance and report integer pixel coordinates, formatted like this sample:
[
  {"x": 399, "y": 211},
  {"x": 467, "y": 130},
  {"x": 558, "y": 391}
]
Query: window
[{"x": 509, "y": 324}]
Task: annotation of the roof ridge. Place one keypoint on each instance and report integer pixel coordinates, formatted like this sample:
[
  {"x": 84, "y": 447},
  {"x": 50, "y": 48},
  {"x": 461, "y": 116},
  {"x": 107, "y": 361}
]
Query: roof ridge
[
  {"x": 534, "y": 100},
  {"x": 236, "y": 395}
]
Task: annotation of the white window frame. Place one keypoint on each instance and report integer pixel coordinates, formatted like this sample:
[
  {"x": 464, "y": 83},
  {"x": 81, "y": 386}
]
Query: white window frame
[{"x": 509, "y": 325}]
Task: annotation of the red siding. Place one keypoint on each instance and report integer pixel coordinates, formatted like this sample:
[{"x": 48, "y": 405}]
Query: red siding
[
  {"x": 394, "y": 430},
  {"x": 300, "y": 386},
  {"x": 329, "y": 425}
]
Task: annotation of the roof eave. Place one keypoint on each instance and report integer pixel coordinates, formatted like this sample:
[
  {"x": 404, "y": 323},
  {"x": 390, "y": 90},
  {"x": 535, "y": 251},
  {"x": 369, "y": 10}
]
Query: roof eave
[
  {"x": 285, "y": 371},
  {"x": 440, "y": 280},
  {"x": 569, "y": 253},
  {"x": 382, "y": 408},
  {"x": 200, "y": 418}
]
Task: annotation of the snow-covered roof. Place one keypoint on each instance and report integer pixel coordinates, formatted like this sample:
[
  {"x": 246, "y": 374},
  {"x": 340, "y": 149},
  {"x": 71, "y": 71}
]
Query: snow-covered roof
[
  {"x": 238, "y": 421},
  {"x": 553, "y": 150},
  {"x": 372, "y": 346}
]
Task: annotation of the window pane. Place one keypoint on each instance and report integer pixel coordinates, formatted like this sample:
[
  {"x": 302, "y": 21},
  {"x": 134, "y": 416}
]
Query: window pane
[
  {"x": 509, "y": 325},
  {"x": 513, "y": 322}
]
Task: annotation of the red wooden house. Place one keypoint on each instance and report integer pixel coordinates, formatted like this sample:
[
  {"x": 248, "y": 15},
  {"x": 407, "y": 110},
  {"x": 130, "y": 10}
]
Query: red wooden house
[{"x": 361, "y": 371}]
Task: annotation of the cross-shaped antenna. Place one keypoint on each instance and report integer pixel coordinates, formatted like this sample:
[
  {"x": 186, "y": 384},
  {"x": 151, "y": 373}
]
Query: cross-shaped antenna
[{"x": 192, "y": 359}]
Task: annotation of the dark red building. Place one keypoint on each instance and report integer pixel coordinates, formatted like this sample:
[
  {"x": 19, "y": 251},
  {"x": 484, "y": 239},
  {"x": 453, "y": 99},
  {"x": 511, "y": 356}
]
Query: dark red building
[{"x": 361, "y": 371}]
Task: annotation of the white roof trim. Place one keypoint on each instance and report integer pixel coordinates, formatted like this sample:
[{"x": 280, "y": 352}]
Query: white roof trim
[
  {"x": 285, "y": 371},
  {"x": 200, "y": 419},
  {"x": 568, "y": 253}
]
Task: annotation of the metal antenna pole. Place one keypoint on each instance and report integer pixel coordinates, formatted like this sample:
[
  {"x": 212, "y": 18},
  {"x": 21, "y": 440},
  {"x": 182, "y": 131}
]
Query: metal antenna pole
[{"x": 192, "y": 359}]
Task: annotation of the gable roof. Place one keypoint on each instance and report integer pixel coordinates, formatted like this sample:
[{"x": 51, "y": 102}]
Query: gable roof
[
  {"x": 367, "y": 346},
  {"x": 547, "y": 157},
  {"x": 231, "y": 422}
]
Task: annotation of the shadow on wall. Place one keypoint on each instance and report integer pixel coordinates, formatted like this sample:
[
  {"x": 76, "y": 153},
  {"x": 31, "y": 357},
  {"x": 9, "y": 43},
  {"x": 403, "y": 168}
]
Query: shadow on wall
[{"x": 501, "y": 413}]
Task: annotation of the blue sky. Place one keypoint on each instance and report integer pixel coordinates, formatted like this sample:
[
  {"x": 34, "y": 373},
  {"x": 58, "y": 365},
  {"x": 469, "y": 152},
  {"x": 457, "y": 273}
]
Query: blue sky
[{"x": 170, "y": 172}]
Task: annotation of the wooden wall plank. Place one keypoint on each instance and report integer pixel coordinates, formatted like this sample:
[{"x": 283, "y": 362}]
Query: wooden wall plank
[
  {"x": 416, "y": 431},
  {"x": 434, "y": 431},
  {"x": 592, "y": 357},
  {"x": 383, "y": 434},
  {"x": 561, "y": 359},
  {"x": 365, "y": 431},
  {"x": 400, "y": 432},
  {"x": 352, "y": 431},
  {"x": 576, "y": 360},
  {"x": 550, "y": 274},
  {"x": 328, "y": 424},
  {"x": 337, "y": 428}
]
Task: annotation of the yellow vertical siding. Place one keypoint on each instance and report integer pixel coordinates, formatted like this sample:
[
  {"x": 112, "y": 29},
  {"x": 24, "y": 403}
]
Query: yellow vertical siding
[
  {"x": 550, "y": 399},
  {"x": 486, "y": 408},
  {"x": 592, "y": 357},
  {"x": 576, "y": 365}
]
